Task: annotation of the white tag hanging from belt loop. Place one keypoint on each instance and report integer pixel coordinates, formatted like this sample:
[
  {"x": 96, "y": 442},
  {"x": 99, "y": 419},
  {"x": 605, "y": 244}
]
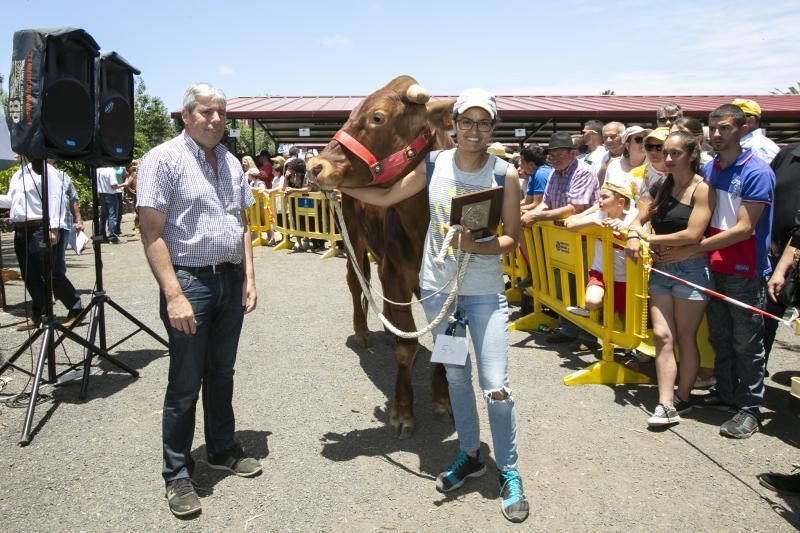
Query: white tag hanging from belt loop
[{"x": 450, "y": 350}]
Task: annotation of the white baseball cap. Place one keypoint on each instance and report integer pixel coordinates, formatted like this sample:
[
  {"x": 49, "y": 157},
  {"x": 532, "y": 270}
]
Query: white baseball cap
[{"x": 476, "y": 98}]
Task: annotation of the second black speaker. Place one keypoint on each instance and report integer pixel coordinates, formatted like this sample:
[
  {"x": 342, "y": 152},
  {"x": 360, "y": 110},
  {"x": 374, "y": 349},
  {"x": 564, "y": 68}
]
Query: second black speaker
[{"x": 114, "y": 111}]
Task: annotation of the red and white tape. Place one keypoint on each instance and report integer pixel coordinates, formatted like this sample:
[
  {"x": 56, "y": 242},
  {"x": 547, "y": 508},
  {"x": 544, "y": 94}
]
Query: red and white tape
[{"x": 790, "y": 322}]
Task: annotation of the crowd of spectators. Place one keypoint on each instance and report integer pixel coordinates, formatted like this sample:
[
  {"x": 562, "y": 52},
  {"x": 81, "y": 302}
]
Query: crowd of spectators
[{"x": 706, "y": 202}]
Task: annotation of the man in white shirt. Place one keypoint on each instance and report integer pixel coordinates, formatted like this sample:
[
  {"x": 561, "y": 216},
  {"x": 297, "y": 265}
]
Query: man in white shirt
[
  {"x": 109, "y": 203},
  {"x": 593, "y": 139},
  {"x": 753, "y": 137},
  {"x": 24, "y": 199}
]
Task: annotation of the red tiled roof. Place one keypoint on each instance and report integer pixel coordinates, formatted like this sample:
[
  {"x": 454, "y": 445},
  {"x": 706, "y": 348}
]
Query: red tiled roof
[{"x": 773, "y": 106}]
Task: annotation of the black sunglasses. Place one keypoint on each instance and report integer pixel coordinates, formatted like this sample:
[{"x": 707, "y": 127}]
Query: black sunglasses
[
  {"x": 638, "y": 140},
  {"x": 653, "y": 147}
]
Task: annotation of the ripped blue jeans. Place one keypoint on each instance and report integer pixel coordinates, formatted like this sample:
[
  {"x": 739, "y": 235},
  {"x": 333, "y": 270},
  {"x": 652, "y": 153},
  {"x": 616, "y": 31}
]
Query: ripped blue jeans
[{"x": 488, "y": 328}]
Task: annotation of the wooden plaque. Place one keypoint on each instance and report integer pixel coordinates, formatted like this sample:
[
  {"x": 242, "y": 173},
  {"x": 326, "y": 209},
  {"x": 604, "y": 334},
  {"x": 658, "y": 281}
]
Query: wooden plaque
[{"x": 478, "y": 211}]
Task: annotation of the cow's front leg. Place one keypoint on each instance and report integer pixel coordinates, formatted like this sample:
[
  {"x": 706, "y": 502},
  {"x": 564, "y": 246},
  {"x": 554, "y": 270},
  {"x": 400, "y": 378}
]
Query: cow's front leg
[
  {"x": 360, "y": 305},
  {"x": 440, "y": 401},
  {"x": 401, "y": 420}
]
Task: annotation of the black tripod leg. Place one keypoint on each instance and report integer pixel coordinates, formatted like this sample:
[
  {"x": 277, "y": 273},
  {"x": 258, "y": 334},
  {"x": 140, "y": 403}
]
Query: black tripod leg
[
  {"x": 136, "y": 321},
  {"x": 43, "y": 353},
  {"x": 88, "y": 354},
  {"x": 22, "y": 349}
]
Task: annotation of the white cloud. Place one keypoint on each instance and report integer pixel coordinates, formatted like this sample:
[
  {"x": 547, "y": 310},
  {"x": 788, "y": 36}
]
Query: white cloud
[
  {"x": 336, "y": 41},
  {"x": 225, "y": 70}
]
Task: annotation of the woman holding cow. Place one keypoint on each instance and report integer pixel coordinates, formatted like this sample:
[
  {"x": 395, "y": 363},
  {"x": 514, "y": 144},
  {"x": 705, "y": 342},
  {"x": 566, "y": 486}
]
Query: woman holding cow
[{"x": 481, "y": 304}]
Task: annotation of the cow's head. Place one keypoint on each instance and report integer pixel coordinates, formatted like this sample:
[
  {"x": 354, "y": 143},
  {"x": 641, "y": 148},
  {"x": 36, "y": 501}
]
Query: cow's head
[{"x": 385, "y": 122}]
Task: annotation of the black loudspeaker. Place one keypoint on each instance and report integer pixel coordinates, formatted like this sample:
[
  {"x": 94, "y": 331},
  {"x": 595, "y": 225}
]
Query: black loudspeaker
[
  {"x": 114, "y": 111},
  {"x": 51, "y": 93}
]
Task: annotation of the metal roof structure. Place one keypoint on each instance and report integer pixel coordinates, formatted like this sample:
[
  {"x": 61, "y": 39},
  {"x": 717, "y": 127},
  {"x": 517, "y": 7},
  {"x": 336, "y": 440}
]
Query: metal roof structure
[{"x": 283, "y": 116}]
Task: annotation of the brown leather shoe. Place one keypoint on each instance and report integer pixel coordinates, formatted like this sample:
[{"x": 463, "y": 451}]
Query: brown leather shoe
[
  {"x": 28, "y": 324},
  {"x": 69, "y": 321}
]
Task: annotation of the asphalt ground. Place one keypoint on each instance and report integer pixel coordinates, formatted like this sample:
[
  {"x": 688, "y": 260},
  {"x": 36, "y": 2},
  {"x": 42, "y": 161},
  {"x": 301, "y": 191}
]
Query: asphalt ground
[{"x": 313, "y": 407}]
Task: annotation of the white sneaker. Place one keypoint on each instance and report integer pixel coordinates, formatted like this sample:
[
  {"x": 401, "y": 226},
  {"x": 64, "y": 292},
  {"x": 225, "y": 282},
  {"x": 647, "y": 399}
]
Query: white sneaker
[
  {"x": 664, "y": 415},
  {"x": 706, "y": 383},
  {"x": 580, "y": 311}
]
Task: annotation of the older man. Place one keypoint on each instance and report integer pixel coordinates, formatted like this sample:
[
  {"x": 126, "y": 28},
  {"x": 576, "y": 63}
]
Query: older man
[
  {"x": 667, "y": 114},
  {"x": 753, "y": 137},
  {"x": 572, "y": 187},
  {"x": 192, "y": 196},
  {"x": 612, "y": 141}
]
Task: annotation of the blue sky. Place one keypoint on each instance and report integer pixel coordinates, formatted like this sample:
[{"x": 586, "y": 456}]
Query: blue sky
[{"x": 339, "y": 47}]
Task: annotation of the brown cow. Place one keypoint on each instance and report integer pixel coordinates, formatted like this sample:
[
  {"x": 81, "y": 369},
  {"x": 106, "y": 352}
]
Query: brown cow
[{"x": 387, "y": 122}]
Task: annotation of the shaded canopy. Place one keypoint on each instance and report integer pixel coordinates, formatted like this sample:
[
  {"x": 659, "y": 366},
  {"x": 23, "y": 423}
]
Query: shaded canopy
[{"x": 282, "y": 117}]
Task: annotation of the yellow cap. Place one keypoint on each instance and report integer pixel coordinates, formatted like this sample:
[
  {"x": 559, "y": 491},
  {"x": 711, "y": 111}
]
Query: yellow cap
[
  {"x": 497, "y": 149},
  {"x": 750, "y": 107},
  {"x": 623, "y": 189},
  {"x": 659, "y": 134}
]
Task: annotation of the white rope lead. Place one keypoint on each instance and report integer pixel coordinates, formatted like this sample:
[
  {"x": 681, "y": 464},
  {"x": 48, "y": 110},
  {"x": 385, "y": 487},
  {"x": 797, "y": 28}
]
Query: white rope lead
[{"x": 462, "y": 261}]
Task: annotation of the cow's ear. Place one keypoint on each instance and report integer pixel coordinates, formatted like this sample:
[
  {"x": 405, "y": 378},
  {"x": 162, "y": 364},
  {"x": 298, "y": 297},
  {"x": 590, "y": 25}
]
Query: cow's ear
[{"x": 440, "y": 114}]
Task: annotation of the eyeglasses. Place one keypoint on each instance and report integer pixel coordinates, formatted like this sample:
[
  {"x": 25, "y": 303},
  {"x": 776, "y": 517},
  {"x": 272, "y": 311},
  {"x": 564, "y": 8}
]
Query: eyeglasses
[
  {"x": 467, "y": 124},
  {"x": 664, "y": 120},
  {"x": 638, "y": 140},
  {"x": 653, "y": 147}
]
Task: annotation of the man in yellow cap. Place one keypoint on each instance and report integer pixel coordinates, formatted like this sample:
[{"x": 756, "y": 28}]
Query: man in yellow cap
[{"x": 753, "y": 137}]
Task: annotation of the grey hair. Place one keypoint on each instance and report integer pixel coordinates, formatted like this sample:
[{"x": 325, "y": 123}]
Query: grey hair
[
  {"x": 619, "y": 125},
  {"x": 201, "y": 90},
  {"x": 669, "y": 108}
]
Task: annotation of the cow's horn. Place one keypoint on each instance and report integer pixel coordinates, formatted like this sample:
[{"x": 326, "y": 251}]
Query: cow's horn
[{"x": 417, "y": 94}]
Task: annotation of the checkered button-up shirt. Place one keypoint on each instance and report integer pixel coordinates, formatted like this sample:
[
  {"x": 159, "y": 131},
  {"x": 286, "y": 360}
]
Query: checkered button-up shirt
[
  {"x": 576, "y": 184},
  {"x": 203, "y": 205}
]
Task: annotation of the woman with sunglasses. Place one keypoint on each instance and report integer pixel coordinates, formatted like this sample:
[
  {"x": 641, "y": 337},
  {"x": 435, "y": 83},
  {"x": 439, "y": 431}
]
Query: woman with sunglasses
[
  {"x": 647, "y": 177},
  {"x": 481, "y": 305},
  {"x": 618, "y": 170},
  {"x": 679, "y": 216}
]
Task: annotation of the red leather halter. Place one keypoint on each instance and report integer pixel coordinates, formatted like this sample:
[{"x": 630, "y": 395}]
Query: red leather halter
[{"x": 388, "y": 167}]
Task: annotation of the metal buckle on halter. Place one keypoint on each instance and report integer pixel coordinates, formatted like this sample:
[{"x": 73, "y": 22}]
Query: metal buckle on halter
[
  {"x": 376, "y": 169},
  {"x": 411, "y": 153}
]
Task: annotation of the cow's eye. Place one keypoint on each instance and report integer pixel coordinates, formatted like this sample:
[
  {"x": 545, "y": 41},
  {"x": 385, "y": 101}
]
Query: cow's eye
[{"x": 378, "y": 118}]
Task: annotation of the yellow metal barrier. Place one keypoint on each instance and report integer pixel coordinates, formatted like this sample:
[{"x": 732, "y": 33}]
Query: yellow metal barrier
[
  {"x": 516, "y": 268},
  {"x": 562, "y": 258},
  {"x": 258, "y": 217},
  {"x": 304, "y": 215}
]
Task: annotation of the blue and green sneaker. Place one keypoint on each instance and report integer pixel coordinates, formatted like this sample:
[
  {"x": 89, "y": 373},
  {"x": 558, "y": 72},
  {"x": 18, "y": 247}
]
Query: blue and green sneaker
[
  {"x": 462, "y": 468},
  {"x": 515, "y": 505}
]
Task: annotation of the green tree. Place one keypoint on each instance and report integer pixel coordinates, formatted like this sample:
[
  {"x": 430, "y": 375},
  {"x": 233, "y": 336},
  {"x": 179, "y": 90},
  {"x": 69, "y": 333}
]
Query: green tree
[
  {"x": 152, "y": 119},
  {"x": 792, "y": 90}
]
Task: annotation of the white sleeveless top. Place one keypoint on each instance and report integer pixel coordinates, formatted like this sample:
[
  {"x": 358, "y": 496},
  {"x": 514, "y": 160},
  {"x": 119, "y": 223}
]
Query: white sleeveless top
[{"x": 484, "y": 273}]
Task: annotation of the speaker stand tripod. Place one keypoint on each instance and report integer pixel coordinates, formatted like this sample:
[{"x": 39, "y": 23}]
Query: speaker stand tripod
[
  {"x": 97, "y": 321},
  {"x": 48, "y": 328}
]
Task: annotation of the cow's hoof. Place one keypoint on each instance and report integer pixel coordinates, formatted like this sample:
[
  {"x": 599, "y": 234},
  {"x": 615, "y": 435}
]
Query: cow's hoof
[
  {"x": 442, "y": 410},
  {"x": 362, "y": 340},
  {"x": 402, "y": 430}
]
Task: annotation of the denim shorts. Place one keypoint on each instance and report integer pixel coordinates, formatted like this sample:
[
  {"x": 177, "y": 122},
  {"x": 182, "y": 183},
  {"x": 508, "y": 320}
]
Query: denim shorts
[{"x": 695, "y": 270}]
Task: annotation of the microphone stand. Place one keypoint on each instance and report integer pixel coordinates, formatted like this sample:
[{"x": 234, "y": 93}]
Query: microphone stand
[{"x": 97, "y": 322}]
